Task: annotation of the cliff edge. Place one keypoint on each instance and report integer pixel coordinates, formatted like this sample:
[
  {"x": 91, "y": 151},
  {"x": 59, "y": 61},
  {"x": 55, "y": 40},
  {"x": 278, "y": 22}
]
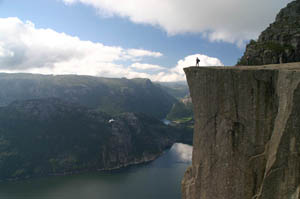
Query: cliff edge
[{"x": 246, "y": 133}]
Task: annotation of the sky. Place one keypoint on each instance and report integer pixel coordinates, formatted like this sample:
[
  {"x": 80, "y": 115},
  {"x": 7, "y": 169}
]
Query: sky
[{"x": 152, "y": 39}]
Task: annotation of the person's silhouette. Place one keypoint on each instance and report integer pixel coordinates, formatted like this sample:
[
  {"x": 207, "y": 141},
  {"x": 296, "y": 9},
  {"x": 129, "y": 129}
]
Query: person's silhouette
[{"x": 197, "y": 61}]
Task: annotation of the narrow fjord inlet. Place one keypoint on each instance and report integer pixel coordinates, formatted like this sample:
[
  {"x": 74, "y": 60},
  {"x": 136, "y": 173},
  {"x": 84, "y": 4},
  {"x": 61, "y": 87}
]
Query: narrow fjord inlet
[
  {"x": 160, "y": 179},
  {"x": 131, "y": 99}
]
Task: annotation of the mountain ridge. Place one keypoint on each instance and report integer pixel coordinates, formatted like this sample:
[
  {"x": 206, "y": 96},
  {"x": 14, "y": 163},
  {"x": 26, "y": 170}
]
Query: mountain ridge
[
  {"x": 110, "y": 95},
  {"x": 278, "y": 43}
]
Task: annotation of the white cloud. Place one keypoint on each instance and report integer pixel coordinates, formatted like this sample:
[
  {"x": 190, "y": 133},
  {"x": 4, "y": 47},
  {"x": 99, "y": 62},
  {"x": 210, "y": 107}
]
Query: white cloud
[
  {"x": 69, "y": 1},
  {"x": 4, "y": 52},
  {"x": 191, "y": 61},
  {"x": 141, "y": 66},
  {"x": 232, "y": 21},
  {"x": 143, "y": 53},
  {"x": 25, "y": 48},
  {"x": 177, "y": 74}
]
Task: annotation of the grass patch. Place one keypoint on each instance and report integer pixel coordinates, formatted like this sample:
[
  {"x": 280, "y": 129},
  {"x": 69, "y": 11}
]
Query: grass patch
[{"x": 183, "y": 120}]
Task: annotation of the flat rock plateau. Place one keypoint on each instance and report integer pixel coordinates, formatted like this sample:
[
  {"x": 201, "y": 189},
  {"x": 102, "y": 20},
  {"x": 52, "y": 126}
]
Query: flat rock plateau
[{"x": 246, "y": 135}]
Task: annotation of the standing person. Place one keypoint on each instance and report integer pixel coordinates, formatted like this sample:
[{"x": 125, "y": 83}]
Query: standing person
[
  {"x": 281, "y": 58},
  {"x": 247, "y": 58},
  {"x": 197, "y": 61}
]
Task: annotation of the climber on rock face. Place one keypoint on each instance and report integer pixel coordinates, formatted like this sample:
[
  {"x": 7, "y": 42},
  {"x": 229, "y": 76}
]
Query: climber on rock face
[{"x": 197, "y": 61}]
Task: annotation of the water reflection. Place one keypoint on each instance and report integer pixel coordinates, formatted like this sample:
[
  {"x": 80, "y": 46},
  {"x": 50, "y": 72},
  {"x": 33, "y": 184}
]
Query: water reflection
[
  {"x": 159, "y": 179},
  {"x": 182, "y": 152},
  {"x": 166, "y": 122}
]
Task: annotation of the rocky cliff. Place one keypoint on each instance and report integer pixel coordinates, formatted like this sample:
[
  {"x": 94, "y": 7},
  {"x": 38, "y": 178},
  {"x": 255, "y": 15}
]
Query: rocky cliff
[
  {"x": 246, "y": 137},
  {"x": 280, "y": 42},
  {"x": 53, "y": 137}
]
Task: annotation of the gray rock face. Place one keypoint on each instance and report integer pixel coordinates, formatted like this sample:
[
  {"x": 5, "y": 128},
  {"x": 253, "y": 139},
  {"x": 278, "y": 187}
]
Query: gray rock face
[
  {"x": 280, "y": 42},
  {"x": 246, "y": 135}
]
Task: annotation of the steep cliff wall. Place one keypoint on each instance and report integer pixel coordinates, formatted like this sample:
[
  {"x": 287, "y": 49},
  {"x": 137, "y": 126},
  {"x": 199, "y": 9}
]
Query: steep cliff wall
[
  {"x": 246, "y": 135},
  {"x": 52, "y": 137}
]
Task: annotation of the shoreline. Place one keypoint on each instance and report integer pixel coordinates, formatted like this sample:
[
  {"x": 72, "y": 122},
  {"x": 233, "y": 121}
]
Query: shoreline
[{"x": 142, "y": 161}]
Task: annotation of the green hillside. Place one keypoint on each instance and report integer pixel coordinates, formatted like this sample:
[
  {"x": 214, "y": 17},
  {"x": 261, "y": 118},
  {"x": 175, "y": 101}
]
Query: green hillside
[
  {"x": 178, "y": 90},
  {"x": 111, "y": 95},
  {"x": 50, "y": 137}
]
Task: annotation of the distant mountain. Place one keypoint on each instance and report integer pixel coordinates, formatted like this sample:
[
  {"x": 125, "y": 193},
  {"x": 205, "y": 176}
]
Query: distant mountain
[
  {"x": 182, "y": 109},
  {"x": 51, "y": 137},
  {"x": 176, "y": 89},
  {"x": 181, "y": 114},
  {"x": 279, "y": 43},
  {"x": 110, "y": 95}
]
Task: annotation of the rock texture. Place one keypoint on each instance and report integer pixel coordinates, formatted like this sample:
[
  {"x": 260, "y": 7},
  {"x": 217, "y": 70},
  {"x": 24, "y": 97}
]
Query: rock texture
[
  {"x": 53, "y": 137},
  {"x": 246, "y": 136},
  {"x": 280, "y": 42}
]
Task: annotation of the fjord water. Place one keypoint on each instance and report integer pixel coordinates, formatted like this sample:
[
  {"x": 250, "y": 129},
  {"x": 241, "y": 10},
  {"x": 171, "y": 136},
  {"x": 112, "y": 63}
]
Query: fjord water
[{"x": 160, "y": 179}]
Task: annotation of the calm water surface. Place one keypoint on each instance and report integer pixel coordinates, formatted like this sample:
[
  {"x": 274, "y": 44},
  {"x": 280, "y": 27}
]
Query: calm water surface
[{"x": 159, "y": 179}]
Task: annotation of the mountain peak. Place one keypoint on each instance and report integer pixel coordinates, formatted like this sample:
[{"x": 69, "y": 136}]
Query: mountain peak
[{"x": 279, "y": 43}]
